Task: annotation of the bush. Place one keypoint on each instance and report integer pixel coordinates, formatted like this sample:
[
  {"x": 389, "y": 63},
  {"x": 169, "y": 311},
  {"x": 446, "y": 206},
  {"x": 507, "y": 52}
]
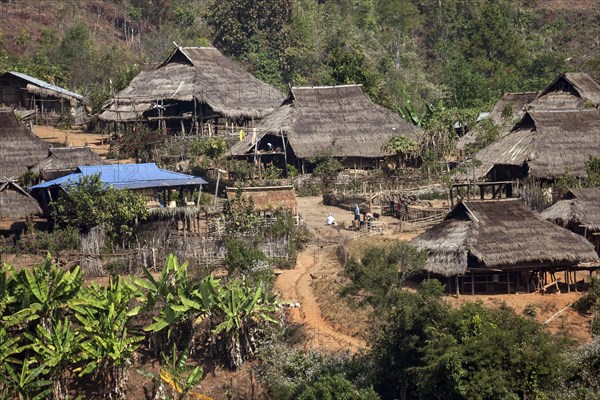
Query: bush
[
  {"x": 335, "y": 387},
  {"x": 59, "y": 239}
]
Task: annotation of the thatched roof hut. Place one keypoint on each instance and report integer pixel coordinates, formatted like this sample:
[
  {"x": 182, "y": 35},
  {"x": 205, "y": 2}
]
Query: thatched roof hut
[
  {"x": 342, "y": 118},
  {"x": 268, "y": 198},
  {"x": 569, "y": 90},
  {"x": 20, "y": 149},
  {"x": 578, "y": 208},
  {"x": 16, "y": 203},
  {"x": 500, "y": 235},
  {"x": 202, "y": 77},
  {"x": 506, "y": 112},
  {"x": 545, "y": 145},
  {"x": 62, "y": 161}
]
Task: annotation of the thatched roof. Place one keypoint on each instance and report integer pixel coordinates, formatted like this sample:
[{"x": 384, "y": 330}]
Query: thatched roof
[
  {"x": 578, "y": 207},
  {"x": 341, "y": 117},
  {"x": 200, "y": 73},
  {"x": 268, "y": 198},
  {"x": 64, "y": 160},
  {"x": 16, "y": 203},
  {"x": 500, "y": 235},
  {"x": 569, "y": 90},
  {"x": 515, "y": 102},
  {"x": 20, "y": 149},
  {"x": 546, "y": 143}
]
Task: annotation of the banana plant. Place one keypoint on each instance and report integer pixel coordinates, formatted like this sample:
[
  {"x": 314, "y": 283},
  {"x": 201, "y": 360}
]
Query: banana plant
[
  {"x": 45, "y": 289},
  {"x": 242, "y": 308},
  {"x": 107, "y": 346},
  {"x": 56, "y": 348},
  {"x": 165, "y": 294},
  {"x": 26, "y": 383},
  {"x": 180, "y": 377}
]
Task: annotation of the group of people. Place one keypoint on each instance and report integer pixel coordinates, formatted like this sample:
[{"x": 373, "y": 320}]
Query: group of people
[{"x": 367, "y": 216}]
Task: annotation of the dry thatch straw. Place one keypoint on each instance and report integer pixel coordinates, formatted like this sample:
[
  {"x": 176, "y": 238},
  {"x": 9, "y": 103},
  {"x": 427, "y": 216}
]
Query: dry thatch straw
[
  {"x": 16, "y": 203},
  {"x": 20, "y": 149},
  {"x": 578, "y": 207},
  {"x": 569, "y": 90},
  {"x": 268, "y": 198},
  {"x": 546, "y": 144},
  {"x": 501, "y": 235},
  {"x": 64, "y": 160},
  {"x": 343, "y": 117},
  {"x": 516, "y": 102},
  {"x": 195, "y": 73}
]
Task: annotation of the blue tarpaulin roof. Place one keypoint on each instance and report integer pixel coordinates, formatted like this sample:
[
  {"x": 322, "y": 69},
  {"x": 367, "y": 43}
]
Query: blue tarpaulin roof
[
  {"x": 127, "y": 176},
  {"x": 46, "y": 85}
]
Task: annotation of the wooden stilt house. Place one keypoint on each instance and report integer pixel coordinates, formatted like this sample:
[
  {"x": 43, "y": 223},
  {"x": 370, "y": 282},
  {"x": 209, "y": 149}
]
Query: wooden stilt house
[
  {"x": 501, "y": 245},
  {"x": 340, "y": 120},
  {"x": 195, "y": 90}
]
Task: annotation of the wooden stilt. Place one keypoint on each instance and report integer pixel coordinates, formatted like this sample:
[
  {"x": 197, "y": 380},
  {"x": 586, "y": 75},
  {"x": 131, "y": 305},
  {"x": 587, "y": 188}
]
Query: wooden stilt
[
  {"x": 568, "y": 281},
  {"x": 472, "y": 283},
  {"x": 575, "y": 280},
  {"x": 457, "y": 284}
]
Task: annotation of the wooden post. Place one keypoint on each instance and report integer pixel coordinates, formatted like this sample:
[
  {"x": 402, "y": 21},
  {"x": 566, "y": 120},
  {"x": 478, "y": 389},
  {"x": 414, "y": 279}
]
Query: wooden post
[
  {"x": 568, "y": 281},
  {"x": 457, "y": 284},
  {"x": 575, "y": 280},
  {"x": 472, "y": 283},
  {"x": 217, "y": 187},
  {"x": 508, "y": 282}
]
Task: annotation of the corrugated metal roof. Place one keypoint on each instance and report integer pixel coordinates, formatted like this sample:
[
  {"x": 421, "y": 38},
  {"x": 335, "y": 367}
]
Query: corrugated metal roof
[
  {"x": 127, "y": 176},
  {"x": 46, "y": 85}
]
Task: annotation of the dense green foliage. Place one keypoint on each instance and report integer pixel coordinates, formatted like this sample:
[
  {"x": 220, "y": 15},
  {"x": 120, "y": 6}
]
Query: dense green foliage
[
  {"x": 424, "y": 349},
  {"x": 89, "y": 203},
  {"x": 55, "y": 330}
]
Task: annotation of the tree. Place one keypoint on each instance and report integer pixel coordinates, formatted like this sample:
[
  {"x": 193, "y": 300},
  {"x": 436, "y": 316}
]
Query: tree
[
  {"x": 378, "y": 276},
  {"x": 89, "y": 203},
  {"x": 335, "y": 387}
]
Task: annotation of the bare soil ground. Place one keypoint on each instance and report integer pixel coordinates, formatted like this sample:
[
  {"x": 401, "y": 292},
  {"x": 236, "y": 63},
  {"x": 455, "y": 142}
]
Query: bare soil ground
[{"x": 73, "y": 138}]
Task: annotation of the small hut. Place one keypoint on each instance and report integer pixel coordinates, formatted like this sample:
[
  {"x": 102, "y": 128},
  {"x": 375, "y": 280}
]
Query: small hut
[
  {"x": 20, "y": 149},
  {"x": 18, "y": 90},
  {"x": 315, "y": 120},
  {"x": 63, "y": 161},
  {"x": 544, "y": 144},
  {"x": 196, "y": 89},
  {"x": 268, "y": 199},
  {"x": 578, "y": 211},
  {"x": 16, "y": 205},
  {"x": 502, "y": 245}
]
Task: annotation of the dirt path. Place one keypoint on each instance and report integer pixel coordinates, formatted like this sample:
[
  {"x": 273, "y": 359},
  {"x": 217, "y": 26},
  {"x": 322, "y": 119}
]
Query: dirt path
[{"x": 295, "y": 285}]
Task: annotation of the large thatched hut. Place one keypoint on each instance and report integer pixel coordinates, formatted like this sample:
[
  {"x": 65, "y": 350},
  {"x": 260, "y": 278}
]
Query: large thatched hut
[
  {"x": 63, "y": 161},
  {"x": 267, "y": 199},
  {"x": 578, "y": 211},
  {"x": 51, "y": 102},
  {"x": 503, "y": 245},
  {"x": 20, "y": 149},
  {"x": 544, "y": 145},
  {"x": 196, "y": 89},
  {"x": 341, "y": 120}
]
